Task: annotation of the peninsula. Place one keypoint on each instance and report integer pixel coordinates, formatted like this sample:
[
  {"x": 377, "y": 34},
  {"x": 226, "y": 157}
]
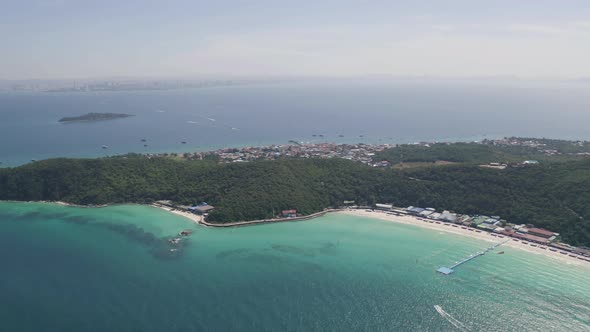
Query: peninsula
[{"x": 91, "y": 117}]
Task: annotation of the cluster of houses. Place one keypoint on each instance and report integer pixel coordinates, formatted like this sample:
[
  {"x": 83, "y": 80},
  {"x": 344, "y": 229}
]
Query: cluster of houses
[
  {"x": 492, "y": 224},
  {"x": 495, "y": 225},
  {"x": 542, "y": 146},
  {"x": 358, "y": 152}
]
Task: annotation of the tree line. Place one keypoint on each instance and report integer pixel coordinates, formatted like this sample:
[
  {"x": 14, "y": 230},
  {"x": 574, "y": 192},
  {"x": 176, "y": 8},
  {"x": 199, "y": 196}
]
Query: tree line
[{"x": 551, "y": 195}]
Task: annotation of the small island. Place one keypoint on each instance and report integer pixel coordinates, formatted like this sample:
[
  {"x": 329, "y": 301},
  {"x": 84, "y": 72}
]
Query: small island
[{"x": 94, "y": 117}]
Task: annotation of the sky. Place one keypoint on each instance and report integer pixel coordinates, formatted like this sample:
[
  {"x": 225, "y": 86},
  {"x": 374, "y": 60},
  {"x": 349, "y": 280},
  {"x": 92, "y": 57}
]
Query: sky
[{"x": 42, "y": 39}]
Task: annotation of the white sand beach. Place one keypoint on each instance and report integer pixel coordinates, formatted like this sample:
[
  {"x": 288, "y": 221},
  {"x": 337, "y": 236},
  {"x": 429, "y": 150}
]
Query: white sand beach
[
  {"x": 434, "y": 225},
  {"x": 483, "y": 236},
  {"x": 193, "y": 217}
]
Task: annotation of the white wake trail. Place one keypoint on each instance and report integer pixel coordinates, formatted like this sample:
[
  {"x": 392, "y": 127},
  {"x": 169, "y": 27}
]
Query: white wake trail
[{"x": 455, "y": 322}]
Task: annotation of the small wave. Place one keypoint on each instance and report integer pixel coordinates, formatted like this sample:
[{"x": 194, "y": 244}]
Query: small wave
[
  {"x": 160, "y": 111},
  {"x": 192, "y": 122},
  {"x": 211, "y": 119}
]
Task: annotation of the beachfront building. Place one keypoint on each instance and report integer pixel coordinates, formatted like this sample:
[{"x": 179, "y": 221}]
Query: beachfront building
[
  {"x": 434, "y": 216},
  {"x": 541, "y": 232},
  {"x": 448, "y": 216},
  {"x": 414, "y": 210},
  {"x": 426, "y": 212},
  {"x": 477, "y": 220},
  {"x": 531, "y": 238},
  {"x": 384, "y": 207},
  {"x": 465, "y": 220},
  {"x": 289, "y": 213},
  {"x": 201, "y": 209}
]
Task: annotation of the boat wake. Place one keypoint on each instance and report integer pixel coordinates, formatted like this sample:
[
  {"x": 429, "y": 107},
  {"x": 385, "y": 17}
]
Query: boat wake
[{"x": 455, "y": 322}]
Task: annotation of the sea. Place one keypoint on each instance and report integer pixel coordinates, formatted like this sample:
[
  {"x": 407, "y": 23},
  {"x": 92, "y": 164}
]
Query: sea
[
  {"x": 342, "y": 111},
  {"x": 111, "y": 269}
]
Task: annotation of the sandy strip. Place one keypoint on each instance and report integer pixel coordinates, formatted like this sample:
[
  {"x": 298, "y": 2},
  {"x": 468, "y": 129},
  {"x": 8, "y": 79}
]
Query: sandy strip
[
  {"x": 195, "y": 218},
  {"x": 483, "y": 236}
]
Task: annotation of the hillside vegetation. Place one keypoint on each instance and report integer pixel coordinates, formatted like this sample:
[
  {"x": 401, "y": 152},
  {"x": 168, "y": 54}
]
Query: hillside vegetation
[
  {"x": 472, "y": 153},
  {"x": 551, "y": 195}
]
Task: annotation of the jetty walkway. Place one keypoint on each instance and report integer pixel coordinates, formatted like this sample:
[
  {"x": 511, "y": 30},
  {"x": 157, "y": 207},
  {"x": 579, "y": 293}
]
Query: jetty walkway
[{"x": 448, "y": 270}]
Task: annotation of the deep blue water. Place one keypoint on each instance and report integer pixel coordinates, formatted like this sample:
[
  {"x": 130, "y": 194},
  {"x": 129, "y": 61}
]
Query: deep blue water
[{"x": 386, "y": 112}]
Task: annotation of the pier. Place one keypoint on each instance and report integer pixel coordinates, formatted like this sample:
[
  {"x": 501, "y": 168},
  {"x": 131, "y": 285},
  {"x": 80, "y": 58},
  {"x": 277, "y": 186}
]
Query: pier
[{"x": 448, "y": 270}]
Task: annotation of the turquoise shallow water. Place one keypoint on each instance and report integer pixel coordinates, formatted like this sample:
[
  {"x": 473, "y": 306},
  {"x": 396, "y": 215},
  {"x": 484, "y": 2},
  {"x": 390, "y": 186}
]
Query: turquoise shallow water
[{"x": 74, "y": 269}]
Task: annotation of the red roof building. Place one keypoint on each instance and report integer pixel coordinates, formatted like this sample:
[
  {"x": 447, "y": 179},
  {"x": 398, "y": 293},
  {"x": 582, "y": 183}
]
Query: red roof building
[
  {"x": 540, "y": 232},
  {"x": 532, "y": 238},
  {"x": 289, "y": 213}
]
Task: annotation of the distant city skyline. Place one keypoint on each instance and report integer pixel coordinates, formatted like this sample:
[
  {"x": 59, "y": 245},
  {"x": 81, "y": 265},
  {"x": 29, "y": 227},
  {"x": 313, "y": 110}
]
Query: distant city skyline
[{"x": 64, "y": 39}]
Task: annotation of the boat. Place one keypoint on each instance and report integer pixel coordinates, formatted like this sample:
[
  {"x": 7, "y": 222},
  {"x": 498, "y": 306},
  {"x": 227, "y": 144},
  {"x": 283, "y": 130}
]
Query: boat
[
  {"x": 500, "y": 253},
  {"x": 185, "y": 232},
  {"x": 183, "y": 142},
  {"x": 143, "y": 140},
  {"x": 105, "y": 147},
  {"x": 145, "y": 145}
]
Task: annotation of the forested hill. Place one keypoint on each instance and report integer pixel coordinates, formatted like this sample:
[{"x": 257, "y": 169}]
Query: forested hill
[
  {"x": 554, "y": 195},
  {"x": 476, "y": 153}
]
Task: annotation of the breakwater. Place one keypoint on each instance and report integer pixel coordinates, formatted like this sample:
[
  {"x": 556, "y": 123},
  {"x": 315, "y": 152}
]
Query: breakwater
[{"x": 266, "y": 221}]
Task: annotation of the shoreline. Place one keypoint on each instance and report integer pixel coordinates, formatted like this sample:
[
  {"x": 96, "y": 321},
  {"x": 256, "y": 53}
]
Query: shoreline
[
  {"x": 191, "y": 216},
  {"x": 483, "y": 236},
  {"x": 379, "y": 215}
]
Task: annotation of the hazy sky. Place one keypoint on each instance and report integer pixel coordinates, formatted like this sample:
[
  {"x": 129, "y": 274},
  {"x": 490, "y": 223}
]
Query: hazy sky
[{"x": 68, "y": 39}]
